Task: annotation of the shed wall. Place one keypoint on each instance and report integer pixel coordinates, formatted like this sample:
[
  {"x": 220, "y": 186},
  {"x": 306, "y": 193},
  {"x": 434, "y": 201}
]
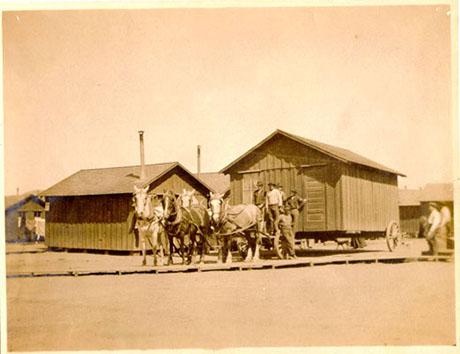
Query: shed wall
[
  {"x": 90, "y": 222},
  {"x": 369, "y": 199},
  {"x": 409, "y": 219}
]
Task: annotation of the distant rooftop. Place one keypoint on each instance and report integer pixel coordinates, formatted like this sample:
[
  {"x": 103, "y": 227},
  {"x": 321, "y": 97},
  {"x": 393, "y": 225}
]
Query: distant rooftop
[
  {"x": 437, "y": 192},
  {"x": 219, "y": 182},
  {"x": 409, "y": 197}
]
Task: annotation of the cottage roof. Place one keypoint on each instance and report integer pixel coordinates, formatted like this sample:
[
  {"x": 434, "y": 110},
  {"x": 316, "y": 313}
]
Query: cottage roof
[
  {"x": 409, "y": 197},
  {"x": 437, "y": 192},
  {"x": 333, "y": 151},
  {"x": 219, "y": 182},
  {"x": 114, "y": 180},
  {"x": 35, "y": 204},
  {"x": 18, "y": 200}
]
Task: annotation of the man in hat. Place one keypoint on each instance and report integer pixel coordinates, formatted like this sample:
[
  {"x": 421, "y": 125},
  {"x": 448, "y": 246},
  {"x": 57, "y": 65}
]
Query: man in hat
[
  {"x": 295, "y": 204},
  {"x": 273, "y": 202},
  {"x": 258, "y": 199},
  {"x": 285, "y": 225},
  {"x": 259, "y": 195},
  {"x": 433, "y": 235}
]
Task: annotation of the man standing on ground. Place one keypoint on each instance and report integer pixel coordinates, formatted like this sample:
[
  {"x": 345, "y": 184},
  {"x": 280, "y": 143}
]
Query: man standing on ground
[
  {"x": 285, "y": 224},
  {"x": 433, "y": 235}
]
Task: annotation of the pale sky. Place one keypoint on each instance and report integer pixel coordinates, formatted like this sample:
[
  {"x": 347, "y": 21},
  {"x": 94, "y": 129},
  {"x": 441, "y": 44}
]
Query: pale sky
[{"x": 79, "y": 84}]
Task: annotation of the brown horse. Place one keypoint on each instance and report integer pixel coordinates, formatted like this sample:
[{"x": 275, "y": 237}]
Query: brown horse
[
  {"x": 190, "y": 225},
  {"x": 229, "y": 221},
  {"x": 149, "y": 215}
]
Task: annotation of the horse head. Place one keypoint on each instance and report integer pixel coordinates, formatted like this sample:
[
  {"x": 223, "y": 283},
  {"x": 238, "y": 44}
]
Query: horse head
[
  {"x": 140, "y": 201},
  {"x": 216, "y": 203},
  {"x": 188, "y": 199},
  {"x": 169, "y": 203}
]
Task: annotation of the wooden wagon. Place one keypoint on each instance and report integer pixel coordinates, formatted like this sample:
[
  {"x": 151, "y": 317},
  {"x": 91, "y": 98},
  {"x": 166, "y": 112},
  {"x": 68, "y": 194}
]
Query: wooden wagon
[{"x": 347, "y": 195}]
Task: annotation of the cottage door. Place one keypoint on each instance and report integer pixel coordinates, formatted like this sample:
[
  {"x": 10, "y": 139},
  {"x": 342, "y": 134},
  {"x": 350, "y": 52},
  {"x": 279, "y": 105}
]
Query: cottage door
[{"x": 314, "y": 190}]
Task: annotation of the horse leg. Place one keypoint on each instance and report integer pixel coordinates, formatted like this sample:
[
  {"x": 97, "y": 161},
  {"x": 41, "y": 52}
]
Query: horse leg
[
  {"x": 155, "y": 245},
  {"x": 144, "y": 258},
  {"x": 229, "y": 250},
  {"x": 182, "y": 251},
  {"x": 250, "y": 249},
  {"x": 171, "y": 250},
  {"x": 201, "y": 248},
  {"x": 256, "y": 242}
]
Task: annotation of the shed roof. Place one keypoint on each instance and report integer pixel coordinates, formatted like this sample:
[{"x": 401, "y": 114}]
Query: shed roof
[
  {"x": 409, "y": 197},
  {"x": 113, "y": 180},
  {"x": 437, "y": 192},
  {"x": 34, "y": 204},
  {"x": 333, "y": 151},
  {"x": 219, "y": 182},
  {"x": 18, "y": 200}
]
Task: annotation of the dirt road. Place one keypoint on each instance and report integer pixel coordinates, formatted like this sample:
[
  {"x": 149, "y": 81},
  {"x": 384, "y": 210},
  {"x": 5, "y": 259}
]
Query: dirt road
[{"x": 362, "y": 304}]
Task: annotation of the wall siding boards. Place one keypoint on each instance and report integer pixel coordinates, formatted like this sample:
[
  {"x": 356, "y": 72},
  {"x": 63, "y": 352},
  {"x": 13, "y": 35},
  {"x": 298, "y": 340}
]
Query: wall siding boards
[{"x": 341, "y": 196}]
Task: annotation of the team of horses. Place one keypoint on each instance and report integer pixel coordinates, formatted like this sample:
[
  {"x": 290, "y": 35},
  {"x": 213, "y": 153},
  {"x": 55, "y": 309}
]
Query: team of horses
[{"x": 171, "y": 223}]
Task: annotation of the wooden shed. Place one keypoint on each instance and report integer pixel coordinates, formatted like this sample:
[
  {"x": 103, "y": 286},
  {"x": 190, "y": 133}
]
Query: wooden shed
[
  {"x": 410, "y": 211},
  {"x": 346, "y": 193},
  {"x": 20, "y": 211},
  {"x": 92, "y": 209},
  {"x": 439, "y": 193}
]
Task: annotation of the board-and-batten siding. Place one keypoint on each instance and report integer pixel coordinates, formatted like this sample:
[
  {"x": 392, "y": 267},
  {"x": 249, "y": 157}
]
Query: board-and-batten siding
[
  {"x": 90, "y": 222},
  {"x": 410, "y": 219},
  {"x": 288, "y": 163},
  {"x": 369, "y": 199},
  {"x": 341, "y": 196}
]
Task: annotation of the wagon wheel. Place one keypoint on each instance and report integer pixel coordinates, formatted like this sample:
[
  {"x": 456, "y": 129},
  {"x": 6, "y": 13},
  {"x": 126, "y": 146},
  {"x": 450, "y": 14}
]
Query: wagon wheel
[
  {"x": 393, "y": 235},
  {"x": 242, "y": 245},
  {"x": 281, "y": 248}
]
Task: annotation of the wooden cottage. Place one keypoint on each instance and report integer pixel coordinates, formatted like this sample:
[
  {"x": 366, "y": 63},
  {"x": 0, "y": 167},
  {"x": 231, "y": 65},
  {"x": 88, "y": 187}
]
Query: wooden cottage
[
  {"x": 346, "y": 193},
  {"x": 92, "y": 209},
  {"x": 409, "y": 211},
  {"x": 20, "y": 212}
]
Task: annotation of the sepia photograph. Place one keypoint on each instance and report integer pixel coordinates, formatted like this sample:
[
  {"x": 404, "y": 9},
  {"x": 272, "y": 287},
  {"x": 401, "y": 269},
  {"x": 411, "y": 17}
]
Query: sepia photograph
[{"x": 229, "y": 175}]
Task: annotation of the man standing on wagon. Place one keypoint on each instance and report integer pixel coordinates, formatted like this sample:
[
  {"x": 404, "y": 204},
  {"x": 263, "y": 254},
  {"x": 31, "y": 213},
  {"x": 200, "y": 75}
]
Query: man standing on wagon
[
  {"x": 274, "y": 201},
  {"x": 259, "y": 200}
]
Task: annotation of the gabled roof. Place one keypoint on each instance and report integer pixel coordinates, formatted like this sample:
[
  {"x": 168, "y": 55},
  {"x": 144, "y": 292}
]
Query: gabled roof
[
  {"x": 437, "y": 192},
  {"x": 113, "y": 180},
  {"x": 34, "y": 204},
  {"x": 18, "y": 200},
  {"x": 343, "y": 155},
  {"x": 409, "y": 197},
  {"x": 219, "y": 182}
]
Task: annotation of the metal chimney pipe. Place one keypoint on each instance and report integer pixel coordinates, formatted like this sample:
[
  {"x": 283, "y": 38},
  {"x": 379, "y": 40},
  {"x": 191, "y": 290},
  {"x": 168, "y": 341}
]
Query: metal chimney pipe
[
  {"x": 141, "y": 141},
  {"x": 17, "y": 191},
  {"x": 198, "y": 160}
]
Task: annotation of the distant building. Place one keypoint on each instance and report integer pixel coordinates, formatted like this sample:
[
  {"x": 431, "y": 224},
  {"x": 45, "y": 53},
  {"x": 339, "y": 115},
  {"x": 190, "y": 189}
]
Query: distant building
[
  {"x": 413, "y": 204},
  {"x": 409, "y": 211},
  {"x": 437, "y": 192},
  {"x": 20, "y": 211}
]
